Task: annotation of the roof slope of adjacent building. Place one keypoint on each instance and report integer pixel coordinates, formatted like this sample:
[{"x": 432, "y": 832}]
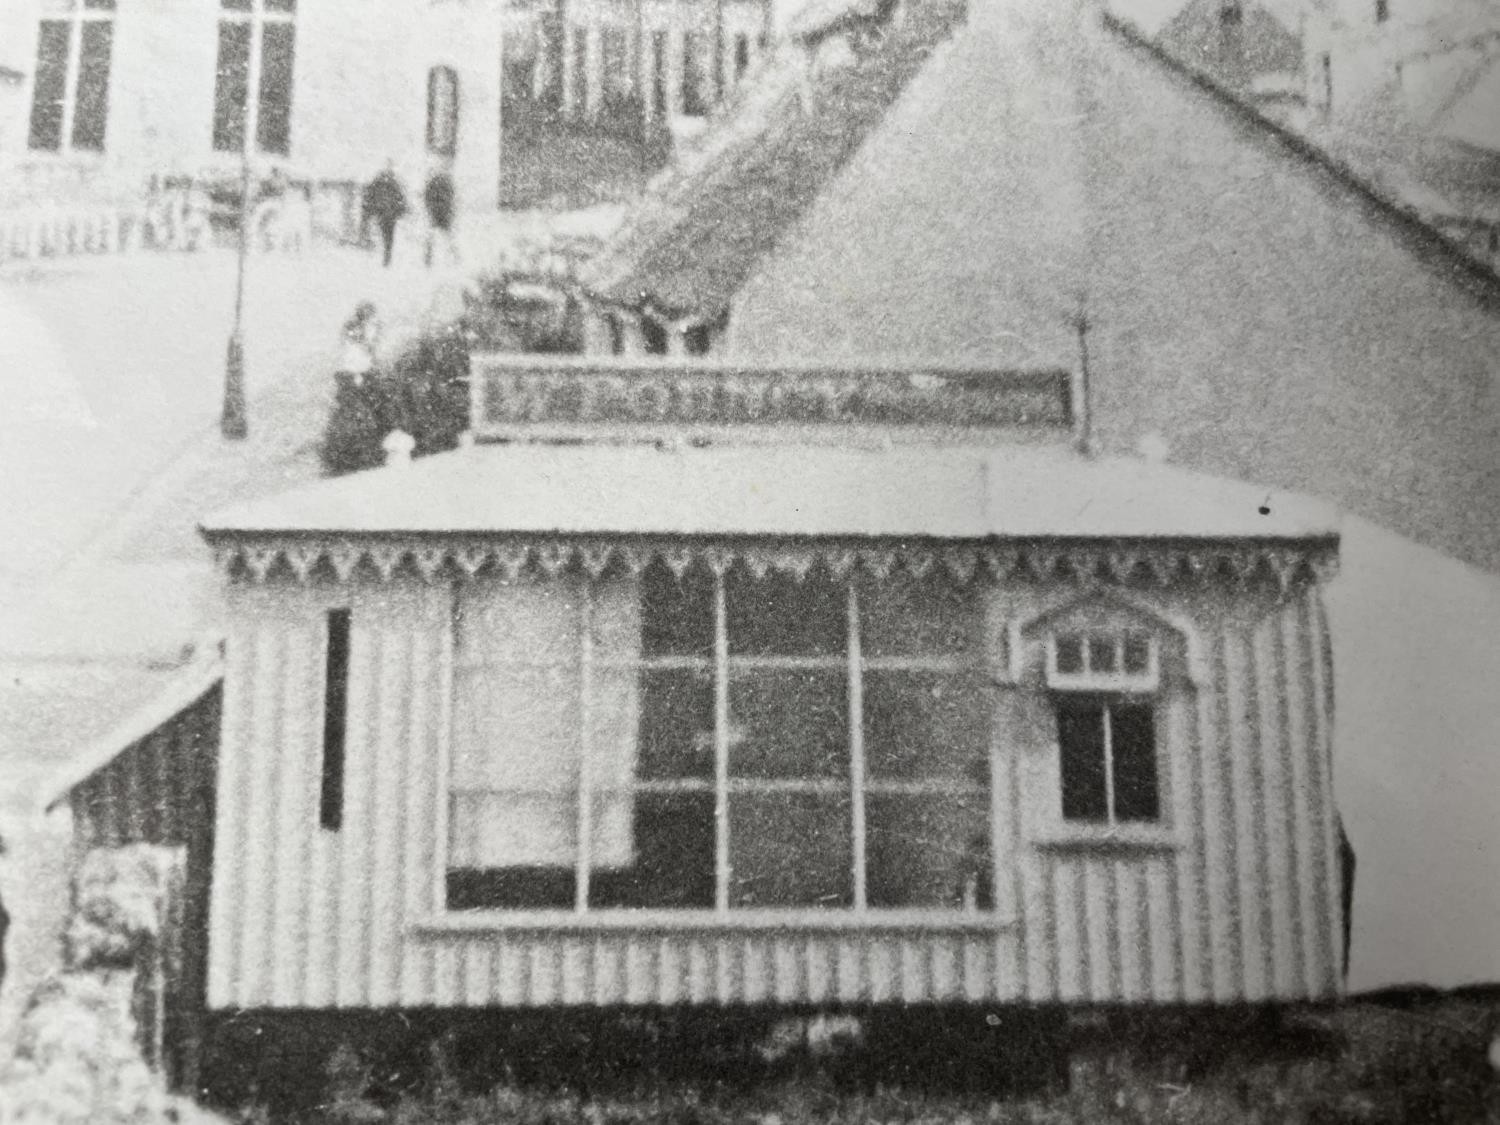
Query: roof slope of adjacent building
[
  {"x": 701, "y": 227},
  {"x": 706, "y": 224}
]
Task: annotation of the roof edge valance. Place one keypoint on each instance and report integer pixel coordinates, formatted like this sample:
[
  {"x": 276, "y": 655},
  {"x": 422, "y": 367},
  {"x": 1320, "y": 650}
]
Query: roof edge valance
[{"x": 252, "y": 556}]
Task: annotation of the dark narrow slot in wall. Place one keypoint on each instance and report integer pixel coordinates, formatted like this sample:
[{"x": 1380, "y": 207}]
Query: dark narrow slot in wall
[{"x": 335, "y": 719}]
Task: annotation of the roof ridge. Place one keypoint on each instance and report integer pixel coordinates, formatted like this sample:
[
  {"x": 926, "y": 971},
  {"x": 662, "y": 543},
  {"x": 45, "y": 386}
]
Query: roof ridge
[{"x": 1467, "y": 272}]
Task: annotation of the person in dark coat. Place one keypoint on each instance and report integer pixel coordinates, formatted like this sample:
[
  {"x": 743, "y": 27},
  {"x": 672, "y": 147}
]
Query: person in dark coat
[
  {"x": 439, "y": 199},
  {"x": 385, "y": 202}
]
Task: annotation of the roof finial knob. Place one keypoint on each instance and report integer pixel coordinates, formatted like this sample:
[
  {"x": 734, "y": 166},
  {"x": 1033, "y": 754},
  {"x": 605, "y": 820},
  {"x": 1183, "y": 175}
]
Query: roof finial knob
[{"x": 398, "y": 445}]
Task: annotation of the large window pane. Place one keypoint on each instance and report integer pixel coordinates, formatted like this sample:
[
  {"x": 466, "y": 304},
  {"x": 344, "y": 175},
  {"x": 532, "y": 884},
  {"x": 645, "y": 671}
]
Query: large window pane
[
  {"x": 232, "y": 86},
  {"x": 509, "y": 828},
  {"x": 780, "y": 616},
  {"x": 932, "y": 616},
  {"x": 677, "y": 613},
  {"x": 1080, "y": 736},
  {"x": 928, "y": 850},
  {"x": 91, "y": 106},
  {"x": 1133, "y": 745},
  {"x": 677, "y": 724},
  {"x": 617, "y": 66},
  {"x": 519, "y": 623},
  {"x": 790, "y": 849},
  {"x": 515, "y": 727},
  {"x": 511, "y": 888},
  {"x": 926, "y": 724},
  {"x": 788, "y": 723},
  {"x": 694, "y": 84},
  {"x": 273, "y": 125},
  {"x": 49, "y": 87},
  {"x": 673, "y": 863}
]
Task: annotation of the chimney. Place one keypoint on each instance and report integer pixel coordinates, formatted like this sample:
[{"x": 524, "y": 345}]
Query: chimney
[
  {"x": 1233, "y": 70},
  {"x": 398, "y": 446}
]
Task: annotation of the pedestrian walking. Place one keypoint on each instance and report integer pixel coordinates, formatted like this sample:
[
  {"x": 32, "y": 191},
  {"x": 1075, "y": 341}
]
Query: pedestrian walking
[
  {"x": 439, "y": 199},
  {"x": 385, "y": 202}
]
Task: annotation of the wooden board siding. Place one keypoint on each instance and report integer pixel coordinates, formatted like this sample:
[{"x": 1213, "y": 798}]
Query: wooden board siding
[
  {"x": 1239, "y": 904},
  {"x": 160, "y": 790}
]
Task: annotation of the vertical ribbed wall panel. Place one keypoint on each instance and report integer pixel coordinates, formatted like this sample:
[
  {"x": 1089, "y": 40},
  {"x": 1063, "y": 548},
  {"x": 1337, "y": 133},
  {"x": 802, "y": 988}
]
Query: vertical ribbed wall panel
[
  {"x": 352, "y": 882},
  {"x": 229, "y": 872},
  {"x": 382, "y": 829},
  {"x": 1243, "y": 906},
  {"x": 1316, "y": 633},
  {"x": 1278, "y": 800},
  {"x": 415, "y": 806},
  {"x": 259, "y": 839},
  {"x": 1245, "y": 796},
  {"x": 293, "y": 804}
]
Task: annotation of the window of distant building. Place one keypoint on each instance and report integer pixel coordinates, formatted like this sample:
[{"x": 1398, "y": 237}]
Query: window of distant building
[
  {"x": 720, "y": 743},
  {"x": 70, "y": 93},
  {"x": 442, "y": 111},
  {"x": 694, "y": 75},
  {"x": 253, "y": 89},
  {"x": 658, "y": 74},
  {"x": 1231, "y": 12}
]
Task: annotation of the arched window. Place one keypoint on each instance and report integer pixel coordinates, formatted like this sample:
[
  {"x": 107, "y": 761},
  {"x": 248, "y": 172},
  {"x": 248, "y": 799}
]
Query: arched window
[
  {"x": 442, "y": 111},
  {"x": 1104, "y": 677}
]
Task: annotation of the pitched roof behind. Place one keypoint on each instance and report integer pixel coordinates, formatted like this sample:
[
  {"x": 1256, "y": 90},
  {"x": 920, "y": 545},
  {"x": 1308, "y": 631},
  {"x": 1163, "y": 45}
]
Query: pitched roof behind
[{"x": 703, "y": 226}]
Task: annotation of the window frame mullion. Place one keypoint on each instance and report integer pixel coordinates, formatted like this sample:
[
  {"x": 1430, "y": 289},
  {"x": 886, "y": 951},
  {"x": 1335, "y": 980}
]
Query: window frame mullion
[
  {"x": 585, "y": 849},
  {"x": 1105, "y": 709},
  {"x": 857, "y": 828},
  {"x": 722, "y": 867},
  {"x": 252, "y": 83},
  {"x": 72, "y": 72}
]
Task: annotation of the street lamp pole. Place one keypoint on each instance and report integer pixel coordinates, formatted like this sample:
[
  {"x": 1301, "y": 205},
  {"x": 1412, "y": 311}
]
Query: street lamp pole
[{"x": 233, "y": 423}]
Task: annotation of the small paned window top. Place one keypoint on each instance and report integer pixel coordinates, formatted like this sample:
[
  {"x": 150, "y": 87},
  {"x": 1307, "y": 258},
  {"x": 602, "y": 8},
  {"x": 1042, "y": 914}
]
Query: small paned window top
[{"x": 1107, "y": 661}]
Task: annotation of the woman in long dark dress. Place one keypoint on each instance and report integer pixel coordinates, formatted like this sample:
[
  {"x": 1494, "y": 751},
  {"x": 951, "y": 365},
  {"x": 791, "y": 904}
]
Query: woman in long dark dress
[{"x": 358, "y": 421}]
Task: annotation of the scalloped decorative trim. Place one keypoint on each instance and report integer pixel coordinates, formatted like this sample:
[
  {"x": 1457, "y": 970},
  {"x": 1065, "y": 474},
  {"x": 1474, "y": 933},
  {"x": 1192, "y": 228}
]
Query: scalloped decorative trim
[{"x": 258, "y": 558}]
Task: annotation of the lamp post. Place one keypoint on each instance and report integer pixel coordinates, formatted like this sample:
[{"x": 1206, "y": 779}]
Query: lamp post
[{"x": 232, "y": 422}]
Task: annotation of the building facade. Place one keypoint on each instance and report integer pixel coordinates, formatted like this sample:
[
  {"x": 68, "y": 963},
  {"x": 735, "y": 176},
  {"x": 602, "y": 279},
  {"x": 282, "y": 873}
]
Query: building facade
[
  {"x": 772, "y": 686},
  {"x": 116, "y": 93}
]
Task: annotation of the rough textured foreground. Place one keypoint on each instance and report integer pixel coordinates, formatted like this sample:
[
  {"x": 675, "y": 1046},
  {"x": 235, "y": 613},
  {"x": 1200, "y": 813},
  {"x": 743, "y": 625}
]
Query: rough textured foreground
[{"x": 1364, "y": 1064}]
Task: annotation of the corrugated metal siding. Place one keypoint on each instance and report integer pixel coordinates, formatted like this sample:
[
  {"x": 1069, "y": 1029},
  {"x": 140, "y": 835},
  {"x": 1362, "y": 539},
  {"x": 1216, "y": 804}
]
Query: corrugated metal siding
[{"x": 1243, "y": 908}]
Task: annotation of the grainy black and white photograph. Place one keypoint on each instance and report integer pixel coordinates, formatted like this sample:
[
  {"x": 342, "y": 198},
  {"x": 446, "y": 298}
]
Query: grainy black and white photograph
[{"x": 749, "y": 562}]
